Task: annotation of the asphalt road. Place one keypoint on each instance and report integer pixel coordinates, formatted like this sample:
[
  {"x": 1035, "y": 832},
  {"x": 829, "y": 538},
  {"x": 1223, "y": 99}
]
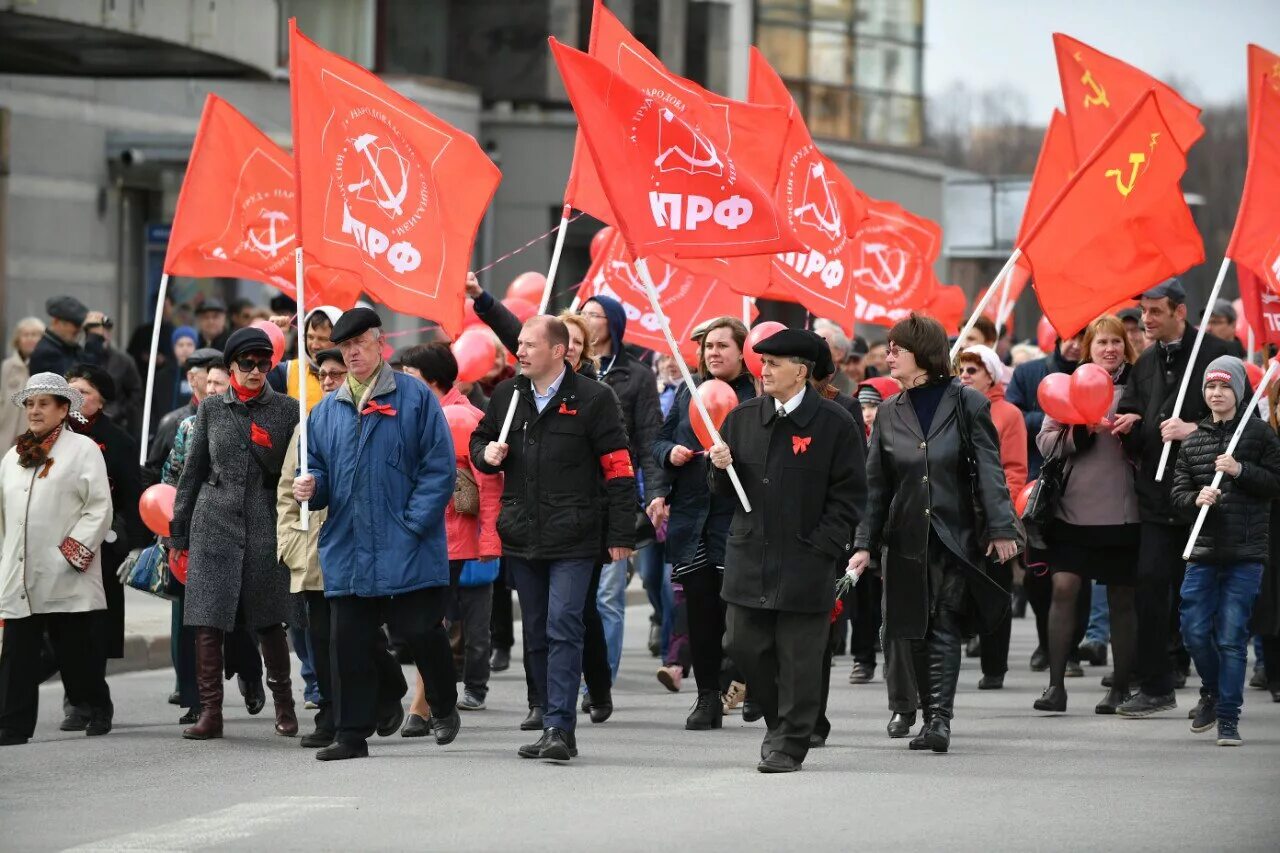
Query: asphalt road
[{"x": 1014, "y": 780}]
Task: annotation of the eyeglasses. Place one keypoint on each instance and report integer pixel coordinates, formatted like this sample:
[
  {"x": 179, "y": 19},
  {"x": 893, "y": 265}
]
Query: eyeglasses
[
  {"x": 332, "y": 374},
  {"x": 247, "y": 363},
  {"x": 894, "y": 350},
  {"x": 595, "y": 315}
]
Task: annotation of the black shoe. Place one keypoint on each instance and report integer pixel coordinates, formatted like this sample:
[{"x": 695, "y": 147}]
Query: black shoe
[
  {"x": 862, "y": 673},
  {"x": 751, "y": 711},
  {"x": 991, "y": 682},
  {"x": 707, "y": 714},
  {"x": 99, "y": 722},
  {"x": 601, "y": 711},
  {"x": 655, "y": 639},
  {"x": 445, "y": 729},
  {"x": 340, "y": 751},
  {"x": 533, "y": 722},
  {"x": 900, "y": 725},
  {"x": 1229, "y": 733},
  {"x": 778, "y": 762},
  {"x": 1179, "y": 679},
  {"x": 1074, "y": 670},
  {"x": 1039, "y": 660},
  {"x": 817, "y": 741},
  {"x": 934, "y": 735},
  {"x": 973, "y": 648},
  {"x": 471, "y": 701},
  {"x": 1113, "y": 700},
  {"x": 560, "y": 745},
  {"x": 1109, "y": 679},
  {"x": 74, "y": 722},
  {"x": 1053, "y": 700},
  {"x": 1275, "y": 694},
  {"x": 390, "y": 719},
  {"x": 1205, "y": 715},
  {"x": 1143, "y": 704},
  {"x": 1094, "y": 652},
  {"x": 585, "y": 705},
  {"x": 254, "y": 693},
  {"x": 189, "y": 718},
  {"x": 318, "y": 739},
  {"x": 12, "y": 739},
  {"x": 175, "y": 698},
  {"x": 1259, "y": 678},
  {"x": 501, "y": 660},
  {"x": 415, "y": 726},
  {"x": 533, "y": 750}
]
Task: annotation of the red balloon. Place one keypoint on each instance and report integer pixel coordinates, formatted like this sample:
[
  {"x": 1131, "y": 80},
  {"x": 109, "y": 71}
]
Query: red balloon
[
  {"x": 599, "y": 239},
  {"x": 1255, "y": 376},
  {"x": 462, "y": 422},
  {"x": 527, "y": 286},
  {"x": 1091, "y": 392},
  {"x": 755, "y": 336},
  {"x": 719, "y": 398},
  {"x": 1054, "y": 395},
  {"x": 1046, "y": 335},
  {"x": 156, "y": 508},
  {"x": 522, "y": 308},
  {"x": 475, "y": 352},
  {"x": 276, "y": 336},
  {"x": 1020, "y": 503}
]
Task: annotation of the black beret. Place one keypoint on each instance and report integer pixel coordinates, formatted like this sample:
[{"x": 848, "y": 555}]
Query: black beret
[
  {"x": 1171, "y": 288},
  {"x": 824, "y": 367},
  {"x": 213, "y": 303},
  {"x": 203, "y": 357},
  {"x": 1130, "y": 314},
  {"x": 248, "y": 339},
  {"x": 97, "y": 377},
  {"x": 353, "y": 322},
  {"x": 330, "y": 354},
  {"x": 797, "y": 343},
  {"x": 66, "y": 308}
]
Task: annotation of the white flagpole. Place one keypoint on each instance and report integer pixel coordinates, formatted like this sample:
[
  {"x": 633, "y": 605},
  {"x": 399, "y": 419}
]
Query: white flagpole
[
  {"x": 1191, "y": 362},
  {"x": 151, "y": 367},
  {"x": 1231, "y": 449},
  {"x": 1253, "y": 345},
  {"x": 746, "y": 311},
  {"x": 302, "y": 378},
  {"x": 652, "y": 291},
  {"x": 986, "y": 297},
  {"x": 1002, "y": 313},
  {"x": 555, "y": 260}
]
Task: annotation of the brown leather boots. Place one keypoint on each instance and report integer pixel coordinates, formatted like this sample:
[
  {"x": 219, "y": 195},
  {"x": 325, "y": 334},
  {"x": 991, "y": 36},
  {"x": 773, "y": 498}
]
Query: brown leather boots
[{"x": 209, "y": 684}]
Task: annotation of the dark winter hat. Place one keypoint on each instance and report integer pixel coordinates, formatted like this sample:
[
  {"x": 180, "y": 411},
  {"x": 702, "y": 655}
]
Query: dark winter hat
[
  {"x": 352, "y": 323},
  {"x": 213, "y": 303},
  {"x": 97, "y": 377},
  {"x": 1134, "y": 314},
  {"x": 66, "y": 308},
  {"x": 795, "y": 343},
  {"x": 1170, "y": 289},
  {"x": 1223, "y": 308},
  {"x": 248, "y": 339},
  {"x": 331, "y": 354},
  {"x": 1229, "y": 369},
  {"x": 204, "y": 357}
]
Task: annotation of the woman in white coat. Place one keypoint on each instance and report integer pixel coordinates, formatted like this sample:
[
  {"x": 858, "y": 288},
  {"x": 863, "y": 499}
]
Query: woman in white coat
[{"x": 55, "y": 512}]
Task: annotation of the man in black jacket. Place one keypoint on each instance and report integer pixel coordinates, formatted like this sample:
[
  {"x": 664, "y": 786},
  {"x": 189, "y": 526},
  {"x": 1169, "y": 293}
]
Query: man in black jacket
[
  {"x": 60, "y": 347},
  {"x": 1145, "y": 418},
  {"x": 567, "y": 445},
  {"x": 801, "y": 464}
]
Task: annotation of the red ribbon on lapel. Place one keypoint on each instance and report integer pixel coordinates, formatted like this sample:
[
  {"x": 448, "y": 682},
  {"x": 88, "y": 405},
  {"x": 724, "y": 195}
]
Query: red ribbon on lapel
[
  {"x": 565, "y": 410},
  {"x": 379, "y": 408},
  {"x": 800, "y": 443},
  {"x": 260, "y": 436}
]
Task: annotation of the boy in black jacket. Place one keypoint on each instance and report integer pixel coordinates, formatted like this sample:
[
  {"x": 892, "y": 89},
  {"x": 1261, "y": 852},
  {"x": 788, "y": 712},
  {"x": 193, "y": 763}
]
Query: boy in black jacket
[{"x": 1225, "y": 572}]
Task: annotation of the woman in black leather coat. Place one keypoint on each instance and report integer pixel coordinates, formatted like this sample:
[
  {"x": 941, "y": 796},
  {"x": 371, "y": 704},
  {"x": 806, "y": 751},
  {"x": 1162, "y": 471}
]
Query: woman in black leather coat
[{"x": 930, "y": 524}]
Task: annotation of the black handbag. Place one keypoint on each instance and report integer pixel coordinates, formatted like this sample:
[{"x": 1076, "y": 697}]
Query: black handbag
[{"x": 1045, "y": 494}]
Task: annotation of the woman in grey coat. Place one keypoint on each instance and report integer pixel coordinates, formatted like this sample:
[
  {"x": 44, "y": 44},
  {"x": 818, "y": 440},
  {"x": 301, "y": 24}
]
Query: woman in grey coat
[{"x": 224, "y": 529}]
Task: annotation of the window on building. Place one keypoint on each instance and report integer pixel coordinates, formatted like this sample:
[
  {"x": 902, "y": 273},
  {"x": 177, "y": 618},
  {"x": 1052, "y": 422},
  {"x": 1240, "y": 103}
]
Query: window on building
[
  {"x": 707, "y": 48},
  {"x": 345, "y": 27}
]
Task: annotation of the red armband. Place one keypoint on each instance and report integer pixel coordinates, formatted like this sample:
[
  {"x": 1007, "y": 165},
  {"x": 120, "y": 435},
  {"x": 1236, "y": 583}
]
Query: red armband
[{"x": 617, "y": 464}]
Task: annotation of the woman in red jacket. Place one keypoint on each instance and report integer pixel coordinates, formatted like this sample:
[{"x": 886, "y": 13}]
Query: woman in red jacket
[
  {"x": 981, "y": 369},
  {"x": 470, "y": 537}
]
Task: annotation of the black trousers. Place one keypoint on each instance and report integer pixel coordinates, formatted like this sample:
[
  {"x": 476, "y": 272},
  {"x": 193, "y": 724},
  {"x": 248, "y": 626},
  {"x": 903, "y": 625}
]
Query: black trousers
[
  {"x": 705, "y": 610},
  {"x": 822, "y": 727},
  {"x": 866, "y": 619},
  {"x": 418, "y": 618},
  {"x": 502, "y": 617},
  {"x": 781, "y": 655},
  {"x": 995, "y": 646},
  {"x": 80, "y": 658},
  {"x": 1159, "y": 578},
  {"x": 389, "y": 675},
  {"x": 900, "y": 677}
]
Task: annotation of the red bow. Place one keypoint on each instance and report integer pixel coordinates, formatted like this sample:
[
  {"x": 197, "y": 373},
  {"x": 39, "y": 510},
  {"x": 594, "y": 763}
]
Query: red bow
[
  {"x": 260, "y": 436},
  {"x": 799, "y": 444},
  {"x": 379, "y": 408},
  {"x": 565, "y": 410}
]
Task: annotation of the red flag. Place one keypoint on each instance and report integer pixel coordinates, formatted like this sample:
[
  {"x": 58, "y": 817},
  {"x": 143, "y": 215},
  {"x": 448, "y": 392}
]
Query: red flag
[
  {"x": 1099, "y": 89},
  {"x": 1264, "y": 69},
  {"x": 386, "y": 190},
  {"x": 1261, "y": 307},
  {"x": 1119, "y": 226},
  {"x": 947, "y": 306},
  {"x": 1255, "y": 240},
  {"x": 752, "y": 136},
  {"x": 236, "y": 210},
  {"x": 822, "y": 207},
  {"x": 892, "y": 267},
  {"x": 672, "y": 190},
  {"x": 687, "y": 298}
]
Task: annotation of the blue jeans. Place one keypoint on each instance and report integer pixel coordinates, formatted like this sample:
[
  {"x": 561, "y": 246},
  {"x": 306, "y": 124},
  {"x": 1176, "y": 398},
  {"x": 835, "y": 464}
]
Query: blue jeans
[
  {"x": 1217, "y": 601},
  {"x": 1099, "y": 617},
  {"x": 302, "y": 648},
  {"x": 612, "y": 603},
  {"x": 552, "y": 596},
  {"x": 649, "y": 568}
]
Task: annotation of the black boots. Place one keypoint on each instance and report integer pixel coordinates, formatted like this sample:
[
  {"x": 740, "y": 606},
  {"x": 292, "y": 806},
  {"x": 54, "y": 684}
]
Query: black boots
[
  {"x": 275, "y": 662},
  {"x": 209, "y": 684},
  {"x": 941, "y": 652},
  {"x": 900, "y": 725},
  {"x": 708, "y": 712}
]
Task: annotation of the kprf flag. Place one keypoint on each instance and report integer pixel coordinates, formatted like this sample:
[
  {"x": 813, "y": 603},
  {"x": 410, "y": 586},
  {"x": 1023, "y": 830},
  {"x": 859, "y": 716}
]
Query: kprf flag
[
  {"x": 386, "y": 190},
  {"x": 750, "y": 135},
  {"x": 947, "y": 306},
  {"x": 892, "y": 264},
  {"x": 1255, "y": 240},
  {"x": 1264, "y": 70},
  {"x": 236, "y": 214},
  {"x": 1118, "y": 227},
  {"x": 1261, "y": 307},
  {"x": 687, "y": 298},
  {"x": 672, "y": 190},
  {"x": 822, "y": 207},
  {"x": 1098, "y": 90}
]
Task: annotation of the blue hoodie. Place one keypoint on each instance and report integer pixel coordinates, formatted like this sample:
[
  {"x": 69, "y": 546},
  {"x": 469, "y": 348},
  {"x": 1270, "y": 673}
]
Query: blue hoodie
[{"x": 617, "y": 316}]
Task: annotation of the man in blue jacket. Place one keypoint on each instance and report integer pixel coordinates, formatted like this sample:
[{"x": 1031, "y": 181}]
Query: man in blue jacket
[{"x": 381, "y": 461}]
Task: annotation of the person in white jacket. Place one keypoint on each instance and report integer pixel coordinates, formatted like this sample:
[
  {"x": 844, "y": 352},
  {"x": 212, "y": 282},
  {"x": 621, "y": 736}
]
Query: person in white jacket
[{"x": 55, "y": 513}]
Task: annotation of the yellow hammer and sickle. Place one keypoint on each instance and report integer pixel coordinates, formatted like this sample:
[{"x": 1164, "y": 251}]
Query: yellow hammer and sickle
[
  {"x": 1099, "y": 96},
  {"x": 1135, "y": 161}
]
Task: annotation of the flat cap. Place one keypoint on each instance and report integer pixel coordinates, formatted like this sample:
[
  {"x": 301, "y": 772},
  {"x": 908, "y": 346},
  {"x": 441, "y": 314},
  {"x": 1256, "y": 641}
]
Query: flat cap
[
  {"x": 203, "y": 357},
  {"x": 353, "y": 322},
  {"x": 1130, "y": 314},
  {"x": 1171, "y": 289},
  {"x": 66, "y": 308},
  {"x": 1223, "y": 308},
  {"x": 248, "y": 339},
  {"x": 213, "y": 303},
  {"x": 797, "y": 343}
]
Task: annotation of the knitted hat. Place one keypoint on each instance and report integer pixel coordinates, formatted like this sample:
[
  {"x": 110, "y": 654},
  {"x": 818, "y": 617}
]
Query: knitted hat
[
  {"x": 184, "y": 332},
  {"x": 874, "y": 391},
  {"x": 1229, "y": 369},
  {"x": 990, "y": 361}
]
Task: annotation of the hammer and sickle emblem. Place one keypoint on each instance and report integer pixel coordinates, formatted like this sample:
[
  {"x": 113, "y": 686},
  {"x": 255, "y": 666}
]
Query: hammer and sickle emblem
[
  {"x": 1099, "y": 96},
  {"x": 1136, "y": 160}
]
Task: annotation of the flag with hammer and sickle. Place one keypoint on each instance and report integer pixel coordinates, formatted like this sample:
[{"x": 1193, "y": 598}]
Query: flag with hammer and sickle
[
  {"x": 1255, "y": 240},
  {"x": 1264, "y": 70}
]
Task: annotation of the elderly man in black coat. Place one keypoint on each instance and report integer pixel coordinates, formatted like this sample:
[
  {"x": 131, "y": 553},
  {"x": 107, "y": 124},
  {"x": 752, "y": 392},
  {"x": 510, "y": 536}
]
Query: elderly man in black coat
[
  {"x": 800, "y": 462},
  {"x": 59, "y": 349}
]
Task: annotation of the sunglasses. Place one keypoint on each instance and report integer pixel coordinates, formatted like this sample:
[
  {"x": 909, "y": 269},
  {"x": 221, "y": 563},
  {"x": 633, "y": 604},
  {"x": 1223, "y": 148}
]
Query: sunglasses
[
  {"x": 332, "y": 374},
  {"x": 247, "y": 363},
  {"x": 969, "y": 370}
]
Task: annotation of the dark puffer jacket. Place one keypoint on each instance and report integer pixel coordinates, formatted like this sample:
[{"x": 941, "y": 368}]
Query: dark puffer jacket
[{"x": 1237, "y": 528}]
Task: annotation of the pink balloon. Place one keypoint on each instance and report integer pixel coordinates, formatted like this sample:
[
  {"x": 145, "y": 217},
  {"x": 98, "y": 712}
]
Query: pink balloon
[
  {"x": 475, "y": 352},
  {"x": 720, "y": 399},
  {"x": 755, "y": 336},
  {"x": 527, "y": 286},
  {"x": 276, "y": 336},
  {"x": 1046, "y": 335},
  {"x": 156, "y": 508},
  {"x": 1054, "y": 395},
  {"x": 522, "y": 308},
  {"x": 1091, "y": 392}
]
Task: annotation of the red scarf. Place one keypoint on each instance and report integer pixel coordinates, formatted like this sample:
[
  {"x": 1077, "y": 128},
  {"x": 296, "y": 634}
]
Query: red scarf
[
  {"x": 242, "y": 393},
  {"x": 257, "y": 434}
]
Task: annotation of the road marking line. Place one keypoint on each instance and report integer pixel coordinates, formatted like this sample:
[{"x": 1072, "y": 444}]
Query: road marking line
[{"x": 234, "y": 823}]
